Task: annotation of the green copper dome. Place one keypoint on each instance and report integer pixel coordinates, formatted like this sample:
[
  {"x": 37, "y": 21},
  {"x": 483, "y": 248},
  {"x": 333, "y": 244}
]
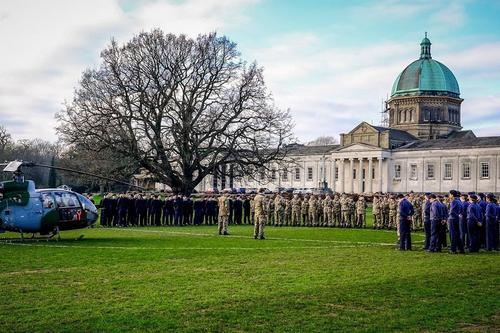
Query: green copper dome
[{"x": 426, "y": 76}]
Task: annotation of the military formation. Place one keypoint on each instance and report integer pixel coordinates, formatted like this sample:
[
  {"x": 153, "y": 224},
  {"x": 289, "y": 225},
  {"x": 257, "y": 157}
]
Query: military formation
[{"x": 437, "y": 215}]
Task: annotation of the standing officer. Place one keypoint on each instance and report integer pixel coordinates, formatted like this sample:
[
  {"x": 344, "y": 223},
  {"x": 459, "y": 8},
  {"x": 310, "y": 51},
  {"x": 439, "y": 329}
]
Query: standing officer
[
  {"x": 454, "y": 222},
  {"x": 296, "y": 206},
  {"x": 141, "y": 209},
  {"x": 312, "y": 211},
  {"x": 156, "y": 208},
  {"x": 246, "y": 210},
  {"x": 435, "y": 216},
  {"x": 426, "y": 214},
  {"x": 337, "y": 217},
  {"x": 393, "y": 206},
  {"x": 260, "y": 216},
  {"x": 344, "y": 208},
  {"x": 376, "y": 212},
  {"x": 223, "y": 214},
  {"x": 279, "y": 210},
  {"x": 199, "y": 210},
  {"x": 360, "y": 212},
  {"x": 474, "y": 223},
  {"x": 178, "y": 210},
  {"x": 288, "y": 211},
  {"x": 122, "y": 207},
  {"x": 304, "y": 210},
  {"x": 405, "y": 215},
  {"x": 238, "y": 210},
  {"x": 464, "y": 238},
  {"x": 491, "y": 225}
]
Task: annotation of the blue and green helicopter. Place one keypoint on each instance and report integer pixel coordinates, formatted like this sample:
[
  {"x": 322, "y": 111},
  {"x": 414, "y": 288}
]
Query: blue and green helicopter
[{"x": 25, "y": 209}]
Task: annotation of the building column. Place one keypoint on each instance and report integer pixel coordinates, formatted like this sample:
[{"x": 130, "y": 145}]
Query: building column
[
  {"x": 334, "y": 162},
  {"x": 369, "y": 188},
  {"x": 360, "y": 177},
  {"x": 380, "y": 159},
  {"x": 341, "y": 176},
  {"x": 351, "y": 174}
]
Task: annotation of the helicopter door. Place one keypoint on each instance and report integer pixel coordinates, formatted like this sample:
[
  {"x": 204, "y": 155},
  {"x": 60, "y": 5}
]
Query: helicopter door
[{"x": 71, "y": 214}]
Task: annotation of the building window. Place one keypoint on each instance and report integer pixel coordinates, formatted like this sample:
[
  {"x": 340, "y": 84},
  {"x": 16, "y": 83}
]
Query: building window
[
  {"x": 373, "y": 173},
  {"x": 336, "y": 173},
  {"x": 284, "y": 176},
  {"x": 397, "y": 171},
  {"x": 466, "y": 171},
  {"x": 309, "y": 173},
  {"x": 273, "y": 174},
  {"x": 413, "y": 172},
  {"x": 485, "y": 170},
  {"x": 448, "y": 171},
  {"x": 353, "y": 173},
  {"x": 430, "y": 171},
  {"x": 297, "y": 173}
]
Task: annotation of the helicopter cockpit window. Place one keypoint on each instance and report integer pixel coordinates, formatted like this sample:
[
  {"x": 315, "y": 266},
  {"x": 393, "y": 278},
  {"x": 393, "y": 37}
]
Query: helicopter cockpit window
[
  {"x": 66, "y": 200},
  {"x": 47, "y": 200}
]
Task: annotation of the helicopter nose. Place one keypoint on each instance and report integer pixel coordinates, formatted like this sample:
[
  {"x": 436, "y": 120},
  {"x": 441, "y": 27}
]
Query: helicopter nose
[{"x": 91, "y": 217}]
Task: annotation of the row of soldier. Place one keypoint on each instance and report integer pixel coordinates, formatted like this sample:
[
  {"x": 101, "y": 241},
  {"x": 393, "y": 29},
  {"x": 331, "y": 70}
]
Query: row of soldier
[{"x": 136, "y": 209}]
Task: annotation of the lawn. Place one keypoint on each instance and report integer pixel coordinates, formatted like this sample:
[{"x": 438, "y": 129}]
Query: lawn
[{"x": 297, "y": 280}]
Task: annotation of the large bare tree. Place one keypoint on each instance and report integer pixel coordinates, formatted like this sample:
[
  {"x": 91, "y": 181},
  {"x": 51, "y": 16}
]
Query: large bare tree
[{"x": 180, "y": 107}]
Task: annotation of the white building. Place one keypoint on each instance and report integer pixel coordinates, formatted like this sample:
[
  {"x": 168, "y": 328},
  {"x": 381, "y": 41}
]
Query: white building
[{"x": 422, "y": 149}]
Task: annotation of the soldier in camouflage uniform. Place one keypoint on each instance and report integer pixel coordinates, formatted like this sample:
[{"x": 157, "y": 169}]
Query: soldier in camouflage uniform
[
  {"x": 296, "y": 207},
  {"x": 288, "y": 211},
  {"x": 252, "y": 211},
  {"x": 223, "y": 214},
  {"x": 393, "y": 217},
  {"x": 376, "y": 211},
  {"x": 385, "y": 212},
  {"x": 417, "y": 208},
  {"x": 304, "y": 210},
  {"x": 312, "y": 211},
  {"x": 260, "y": 216},
  {"x": 352, "y": 212},
  {"x": 360, "y": 212},
  {"x": 344, "y": 208},
  {"x": 271, "y": 220},
  {"x": 319, "y": 211},
  {"x": 279, "y": 210},
  {"x": 337, "y": 216},
  {"x": 328, "y": 211}
]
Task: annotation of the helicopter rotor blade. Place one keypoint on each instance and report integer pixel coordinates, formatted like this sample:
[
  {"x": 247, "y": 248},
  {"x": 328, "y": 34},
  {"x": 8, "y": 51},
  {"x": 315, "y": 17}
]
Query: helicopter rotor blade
[{"x": 85, "y": 173}]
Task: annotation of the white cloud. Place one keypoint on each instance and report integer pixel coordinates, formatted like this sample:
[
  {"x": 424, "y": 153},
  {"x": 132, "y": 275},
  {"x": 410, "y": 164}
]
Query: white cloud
[{"x": 47, "y": 44}]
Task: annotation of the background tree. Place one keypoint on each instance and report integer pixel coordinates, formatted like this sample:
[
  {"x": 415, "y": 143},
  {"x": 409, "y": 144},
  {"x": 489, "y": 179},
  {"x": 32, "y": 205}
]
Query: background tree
[
  {"x": 323, "y": 141},
  {"x": 180, "y": 108}
]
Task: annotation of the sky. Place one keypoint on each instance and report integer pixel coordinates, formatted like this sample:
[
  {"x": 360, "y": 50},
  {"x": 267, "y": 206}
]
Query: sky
[{"x": 332, "y": 63}]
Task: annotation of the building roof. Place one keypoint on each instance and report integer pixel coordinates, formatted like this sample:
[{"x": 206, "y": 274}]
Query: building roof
[
  {"x": 395, "y": 134},
  {"x": 463, "y": 143},
  {"x": 461, "y": 134},
  {"x": 426, "y": 76},
  {"x": 299, "y": 149}
]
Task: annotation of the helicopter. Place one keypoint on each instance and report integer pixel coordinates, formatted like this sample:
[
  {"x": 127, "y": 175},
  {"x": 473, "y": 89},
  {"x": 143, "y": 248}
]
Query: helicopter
[{"x": 25, "y": 209}]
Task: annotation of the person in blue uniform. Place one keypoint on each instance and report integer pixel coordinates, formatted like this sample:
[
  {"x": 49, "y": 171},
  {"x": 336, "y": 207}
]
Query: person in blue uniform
[
  {"x": 168, "y": 211},
  {"x": 246, "y": 210},
  {"x": 187, "y": 210},
  {"x": 444, "y": 216},
  {"x": 132, "y": 214},
  {"x": 113, "y": 211},
  {"x": 464, "y": 238},
  {"x": 491, "y": 223},
  {"x": 474, "y": 223},
  {"x": 482, "y": 231},
  {"x": 435, "y": 217},
  {"x": 426, "y": 212},
  {"x": 454, "y": 222},
  {"x": 199, "y": 211},
  {"x": 405, "y": 216},
  {"x": 178, "y": 210},
  {"x": 141, "y": 209},
  {"x": 122, "y": 207},
  {"x": 238, "y": 210},
  {"x": 156, "y": 208},
  {"x": 105, "y": 213}
]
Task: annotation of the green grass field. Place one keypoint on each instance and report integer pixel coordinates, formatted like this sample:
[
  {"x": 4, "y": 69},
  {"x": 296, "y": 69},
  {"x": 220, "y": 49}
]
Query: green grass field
[{"x": 297, "y": 280}]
